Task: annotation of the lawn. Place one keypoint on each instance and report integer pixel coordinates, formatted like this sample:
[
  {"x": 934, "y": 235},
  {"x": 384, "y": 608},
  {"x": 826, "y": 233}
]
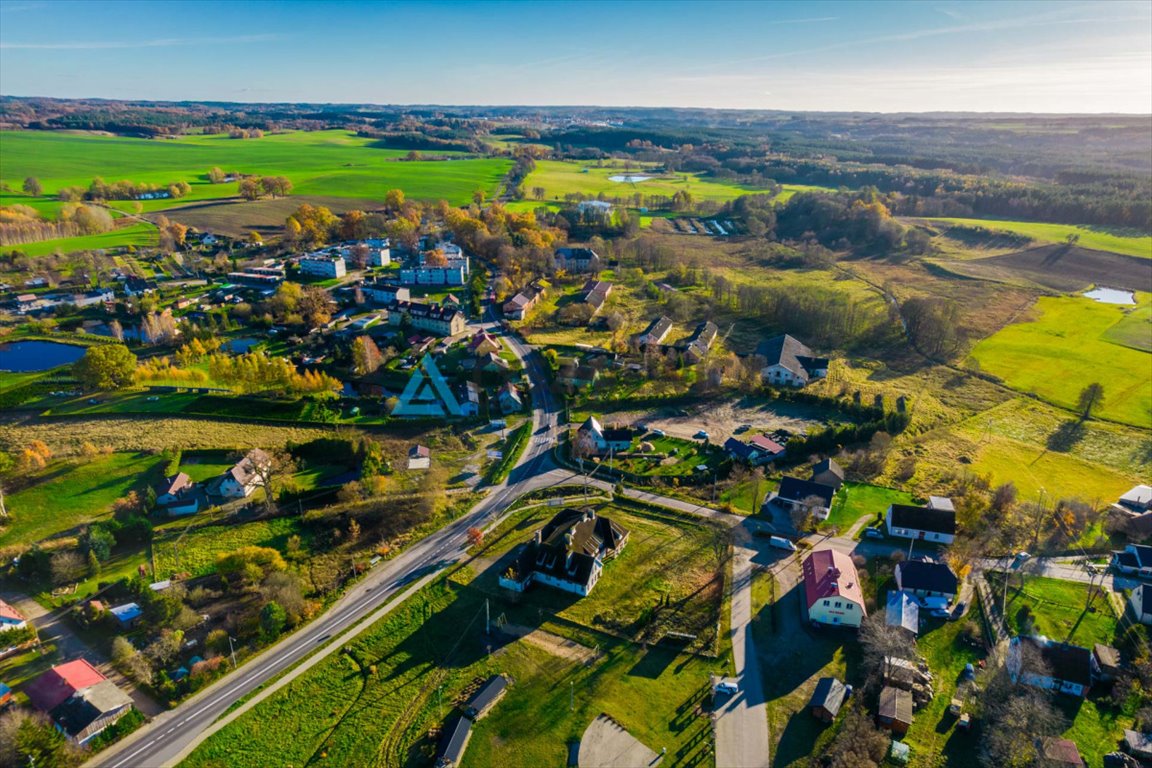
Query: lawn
[
  {"x": 1056, "y": 609},
  {"x": 70, "y": 493},
  {"x": 856, "y": 500},
  {"x": 1134, "y": 329},
  {"x": 688, "y": 455},
  {"x": 1100, "y": 239},
  {"x": 194, "y": 550},
  {"x": 374, "y": 703},
  {"x": 332, "y": 162},
  {"x": 1064, "y": 349},
  {"x": 138, "y": 235}
]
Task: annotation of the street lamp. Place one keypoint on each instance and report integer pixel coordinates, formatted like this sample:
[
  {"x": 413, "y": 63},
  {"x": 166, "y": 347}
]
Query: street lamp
[{"x": 232, "y": 649}]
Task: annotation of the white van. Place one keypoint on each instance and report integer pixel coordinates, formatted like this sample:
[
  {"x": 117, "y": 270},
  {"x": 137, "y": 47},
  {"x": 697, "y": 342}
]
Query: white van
[{"x": 781, "y": 543}]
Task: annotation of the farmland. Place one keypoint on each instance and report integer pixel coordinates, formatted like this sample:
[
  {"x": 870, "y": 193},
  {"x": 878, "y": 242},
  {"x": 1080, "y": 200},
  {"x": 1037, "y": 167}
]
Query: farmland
[
  {"x": 1067, "y": 338},
  {"x": 1101, "y": 239}
]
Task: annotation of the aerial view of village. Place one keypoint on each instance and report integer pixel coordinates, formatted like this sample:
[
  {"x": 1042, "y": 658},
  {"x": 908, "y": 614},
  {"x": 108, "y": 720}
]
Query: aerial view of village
[{"x": 787, "y": 405}]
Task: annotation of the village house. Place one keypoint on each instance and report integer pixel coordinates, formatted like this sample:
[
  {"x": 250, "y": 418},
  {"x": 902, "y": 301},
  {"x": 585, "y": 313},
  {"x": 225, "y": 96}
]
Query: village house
[
  {"x": 694, "y": 348},
  {"x": 927, "y": 579},
  {"x": 602, "y": 440},
  {"x": 419, "y": 457},
  {"x": 384, "y": 293},
  {"x": 322, "y": 265},
  {"x": 1140, "y": 600},
  {"x": 655, "y": 333},
  {"x": 827, "y": 699},
  {"x": 483, "y": 342},
  {"x": 1137, "y": 501},
  {"x": 595, "y": 293},
  {"x": 577, "y": 375},
  {"x": 832, "y": 589},
  {"x": 577, "y": 260},
  {"x": 509, "y": 399},
  {"x": 1134, "y": 560},
  {"x": 171, "y": 488},
  {"x": 1063, "y": 668},
  {"x": 828, "y": 472},
  {"x": 929, "y": 523},
  {"x": 242, "y": 480},
  {"x": 10, "y": 618},
  {"x": 126, "y": 615},
  {"x": 79, "y": 699},
  {"x": 756, "y": 451},
  {"x": 516, "y": 308},
  {"x": 468, "y": 395},
  {"x": 433, "y": 318},
  {"x": 568, "y": 553},
  {"x": 488, "y": 362},
  {"x": 794, "y": 492},
  {"x": 787, "y": 362},
  {"x": 895, "y": 710}
]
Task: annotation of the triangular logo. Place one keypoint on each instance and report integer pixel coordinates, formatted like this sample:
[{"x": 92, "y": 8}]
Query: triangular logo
[{"x": 427, "y": 394}]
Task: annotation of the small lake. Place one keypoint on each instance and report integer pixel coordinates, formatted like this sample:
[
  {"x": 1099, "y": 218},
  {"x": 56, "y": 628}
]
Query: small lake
[
  {"x": 629, "y": 179},
  {"x": 28, "y": 356},
  {"x": 240, "y": 346},
  {"x": 1111, "y": 296}
]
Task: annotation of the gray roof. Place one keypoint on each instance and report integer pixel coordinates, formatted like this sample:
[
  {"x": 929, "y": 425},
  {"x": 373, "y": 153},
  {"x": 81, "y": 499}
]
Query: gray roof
[
  {"x": 829, "y": 694},
  {"x": 902, "y": 611},
  {"x": 791, "y": 353}
]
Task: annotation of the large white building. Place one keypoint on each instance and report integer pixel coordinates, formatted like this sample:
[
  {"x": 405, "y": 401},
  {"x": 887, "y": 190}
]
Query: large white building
[
  {"x": 323, "y": 265},
  {"x": 935, "y": 522},
  {"x": 832, "y": 589},
  {"x": 449, "y": 267}
]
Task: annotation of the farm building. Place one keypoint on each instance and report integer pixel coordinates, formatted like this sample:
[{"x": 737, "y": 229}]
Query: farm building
[
  {"x": 695, "y": 348},
  {"x": 10, "y": 618},
  {"x": 827, "y": 699},
  {"x": 832, "y": 589},
  {"x": 79, "y": 699},
  {"x": 921, "y": 523},
  {"x": 1140, "y": 600},
  {"x": 1062, "y": 667},
  {"x": 487, "y": 697},
  {"x": 828, "y": 472},
  {"x": 657, "y": 330},
  {"x": 452, "y": 752},
  {"x": 595, "y": 293},
  {"x": 927, "y": 579},
  {"x": 568, "y": 553},
  {"x": 787, "y": 362},
  {"x": 1134, "y": 560},
  {"x": 794, "y": 492},
  {"x": 895, "y": 710}
]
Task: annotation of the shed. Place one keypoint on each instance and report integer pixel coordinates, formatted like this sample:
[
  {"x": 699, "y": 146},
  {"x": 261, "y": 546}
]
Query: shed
[
  {"x": 453, "y": 750},
  {"x": 1059, "y": 752},
  {"x": 900, "y": 753},
  {"x": 895, "y": 710},
  {"x": 902, "y": 611},
  {"x": 827, "y": 699},
  {"x": 126, "y": 614},
  {"x": 1107, "y": 660},
  {"x": 487, "y": 697}
]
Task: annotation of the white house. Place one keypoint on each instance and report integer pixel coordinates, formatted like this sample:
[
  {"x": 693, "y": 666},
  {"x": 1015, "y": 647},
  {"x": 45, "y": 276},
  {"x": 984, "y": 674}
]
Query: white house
[
  {"x": 1136, "y": 501},
  {"x": 832, "y": 589},
  {"x": 10, "y": 618},
  {"x": 927, "y": 579},
  {"x": 1135, "y": 560},
  {"x": 921, "y": 523},
  {"x": 246, "y": 476},
  {"x": 787, "y": 362},
  {"x": 1063, "y": 668},
  {"x": 1141, "y": 601},
  {"x": 605, "y": 440},
  {"x": 323, "y": 265},
  {"x": 655, "y": 333},
  {"x": 568, "y": 553}
]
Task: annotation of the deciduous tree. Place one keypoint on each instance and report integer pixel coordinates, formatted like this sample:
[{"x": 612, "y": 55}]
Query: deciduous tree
[{"x": 105, "y": 366}]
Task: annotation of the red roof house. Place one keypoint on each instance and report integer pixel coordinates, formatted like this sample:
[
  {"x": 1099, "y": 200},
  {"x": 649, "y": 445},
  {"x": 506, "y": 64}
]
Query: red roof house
[
  {"x": 832, "y": 589},
  {"x": 60, "y": 683}
]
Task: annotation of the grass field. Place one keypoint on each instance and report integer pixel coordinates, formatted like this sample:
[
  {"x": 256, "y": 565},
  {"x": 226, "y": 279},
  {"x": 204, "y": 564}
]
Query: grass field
[
  {"x": 1134, "y": 329},
  {"x": 856, "y": 500},
  {"x": 1056, "y": 609},
  {"x": 332, "y": 162},
  {"x": 139, "y": 235},
  {"x": 195, "y": 552},
  {"x": 1099, "y": 239},
  {"x": 70, "y": 493},
  {"x": 559, "y": 178},
  {"x": 374, "y": 703},
  {"x": 1063, "y": 350}
]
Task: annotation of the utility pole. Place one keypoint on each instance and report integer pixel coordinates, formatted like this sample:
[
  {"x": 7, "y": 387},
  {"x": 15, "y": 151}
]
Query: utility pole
[
  {"x": 487, "y": 618},
  {"x": 572, "y": 696},
  {"x": 232, "y": 648}
]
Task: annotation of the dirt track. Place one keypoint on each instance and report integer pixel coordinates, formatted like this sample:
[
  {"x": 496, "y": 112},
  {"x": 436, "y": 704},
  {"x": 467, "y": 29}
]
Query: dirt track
[{"x": 720, "y": 420}]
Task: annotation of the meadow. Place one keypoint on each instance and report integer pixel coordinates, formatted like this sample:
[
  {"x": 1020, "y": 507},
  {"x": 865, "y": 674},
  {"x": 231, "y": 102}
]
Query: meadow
[
  {"x": 1100, "y": 239},
  {"x": 194, "y": 550},
  {"x": 1055, "y": 609},
  {"x": 560, "y": 178},
  {"x": 139, "y": 235},
  {"x": 1064, "y": 349}
]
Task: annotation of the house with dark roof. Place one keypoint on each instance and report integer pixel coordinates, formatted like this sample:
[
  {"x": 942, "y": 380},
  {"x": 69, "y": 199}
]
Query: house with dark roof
[
  {"x": 655, "y": 333},
  {"x": 1134, "y": 560},
  {"x": 568, "y": 553},
  {"x": 1061, "y": 667},
  {"x": 577, "y": 260},
  {"x": 10, "y": 618},
  {"x": 756, "y": 451},
  {"x": 487, "y": 697},
  {"x": 787, "y": 362},
  {"x": 1140, "y": 600},
  {"x": 894, "y": 712},
  {"x": 577, "y": 375},
  {"x": 927, "y": 579},
  {"x": 832, "y": 591},
  {"x": 694, "y": 348},
  {"x": 595, "y": 293},
  {"x": 455, "y": 743},
  {"x": 126, "y": 615},
  {"x": 80, "y": 700},
  {"x": 902, "y": 611},
  {"x": 794, "y": 492},
  {"x": 510, "y": 401},
  {"x": 921, "y": 523},
  {"x": 611, "y": 440},
  {"x": 827, "y": 699},
  {"x": 828, "y": 472}
]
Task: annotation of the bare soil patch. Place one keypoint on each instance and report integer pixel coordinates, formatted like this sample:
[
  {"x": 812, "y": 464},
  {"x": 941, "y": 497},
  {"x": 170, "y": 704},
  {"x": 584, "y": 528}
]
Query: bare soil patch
[
  {"x": 236, "y": 217},
  {"x": 720, "y": 420},
  {"x": 1063, "y": 268},
  {"x": 550, "y": 643}
]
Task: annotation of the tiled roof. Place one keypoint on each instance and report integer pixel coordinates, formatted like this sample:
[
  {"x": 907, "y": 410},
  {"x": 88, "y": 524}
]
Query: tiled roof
[{"x": 828, "y": 573}]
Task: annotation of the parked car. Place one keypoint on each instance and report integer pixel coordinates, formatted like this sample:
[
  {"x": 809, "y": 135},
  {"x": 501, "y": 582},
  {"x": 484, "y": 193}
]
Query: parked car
[
  {"x": 779, "y": 542},
  {"x": 958, "y": 611},
  {"x": 940, "y": 613},
  {"x": 727, "y": 687},
  {"x": 873, "y": 533},
  {"x": 743, "y": 428},
  {"x": 701, "y": 435},
  {"x": 659, "y": 433}
]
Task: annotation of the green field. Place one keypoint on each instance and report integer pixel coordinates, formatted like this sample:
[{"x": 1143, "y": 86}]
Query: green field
[
  {"x": 70, "y": 493},
  {"x": 1090, "y": 237},
  {"x": 1064, "y": 349},
  {"x": 333, "y": 162},
  {"x": 1055, "y": 609},
  {"x": 559, "y": 178},
  {"x": 374, "y": 703},
  {"x": 195, "y": 551},
  {"x": 856, "y": 500},
  {"x": 138, "y": 235},
  {"x": 1134, "y": 330}
]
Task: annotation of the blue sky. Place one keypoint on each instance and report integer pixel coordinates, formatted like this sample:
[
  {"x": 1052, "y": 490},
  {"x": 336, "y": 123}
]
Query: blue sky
[{"x": 1025, "y": 55}]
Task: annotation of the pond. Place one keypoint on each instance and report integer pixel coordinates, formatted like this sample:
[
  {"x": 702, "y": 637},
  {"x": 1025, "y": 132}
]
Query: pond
[
  {"x": 240, "y": 346},
  {"x": 1111, "y": 296},
  {"x": 27, "y": 356},
  {"x": 629, "y": 178}
]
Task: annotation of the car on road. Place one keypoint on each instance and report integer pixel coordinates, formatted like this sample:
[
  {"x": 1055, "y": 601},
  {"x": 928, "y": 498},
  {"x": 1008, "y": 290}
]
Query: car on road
[
  {"x": 779, "y": 542},
  {"x": 701, "y": 435},
  {"x": 153, "y": 399},
  {"x": 726, "y": 687},
  {"x": 873, "y": 533}
]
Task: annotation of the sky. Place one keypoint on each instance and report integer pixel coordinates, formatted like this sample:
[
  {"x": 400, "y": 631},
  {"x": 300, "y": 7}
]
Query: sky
[{"x": 909, "y": 56}]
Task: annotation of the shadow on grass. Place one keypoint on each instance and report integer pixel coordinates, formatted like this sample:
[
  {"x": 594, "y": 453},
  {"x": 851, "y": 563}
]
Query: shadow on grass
[
  {"x": 653, "y": 663},
  {"x": 1066, "y": 436}
]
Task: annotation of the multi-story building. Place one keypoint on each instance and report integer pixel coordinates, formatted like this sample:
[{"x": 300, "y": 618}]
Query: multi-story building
[
  {"x": 323, "y": 265},
  {"x": 433, "y": 318}
]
